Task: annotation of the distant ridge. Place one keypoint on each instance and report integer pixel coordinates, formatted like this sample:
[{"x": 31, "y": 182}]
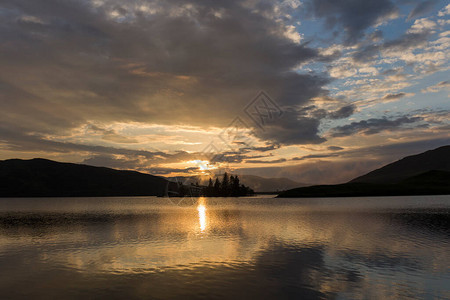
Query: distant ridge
[
  {"x": 263, "y": 184},
  {"x": 427, "y": 173},
  {"x": 257, "y": 183},
  {"x": 437, "y": 159},
  {"x": 46, "y": 178}
]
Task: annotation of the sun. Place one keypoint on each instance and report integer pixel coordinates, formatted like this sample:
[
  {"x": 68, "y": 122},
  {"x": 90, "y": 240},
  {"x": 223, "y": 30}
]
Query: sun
[{"x": 203, "y": 165}]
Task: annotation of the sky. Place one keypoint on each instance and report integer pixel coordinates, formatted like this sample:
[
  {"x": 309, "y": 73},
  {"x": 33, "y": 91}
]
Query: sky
[{"x": 318, "y": 91}]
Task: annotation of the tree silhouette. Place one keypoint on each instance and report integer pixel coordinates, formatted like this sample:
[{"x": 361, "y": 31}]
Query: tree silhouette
[
  {"x": 235, "y": 186},
  {"x": 225, "y": 185},
  {"x": 230, "y": 186},
  {"x": 216, "y": 191},
  {"x": 210, "y": 189}
]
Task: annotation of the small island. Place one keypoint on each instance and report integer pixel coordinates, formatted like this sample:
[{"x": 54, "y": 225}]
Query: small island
[{"x": 230, "y": 186}]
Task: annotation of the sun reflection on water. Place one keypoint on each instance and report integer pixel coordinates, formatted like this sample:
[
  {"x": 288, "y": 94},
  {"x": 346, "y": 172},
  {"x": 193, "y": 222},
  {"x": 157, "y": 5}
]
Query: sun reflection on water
[{"x": 202, "y": 214}]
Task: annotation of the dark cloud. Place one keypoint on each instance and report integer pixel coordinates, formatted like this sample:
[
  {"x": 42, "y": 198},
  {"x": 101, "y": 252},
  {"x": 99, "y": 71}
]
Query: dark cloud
[
  {"x": 335, "y": 148},
  {"x": 113, "y": 162},
  {"x": 376, "y": 36},
  {"x": 393, "y": 71},
  {"x": 315, "y": 156},
  {"x": 422, "y": 8},
  {"x": 261, "y": 148},
  {"x": 178, "y": 62},
  {"x": 291, "y": 129},
  {"x": 402, "y": 43},
  {"x": 234, "y": 158},
  {"x": 407, "y": 41},
  {"x": 437, "y": 87},
  {"x": 320, "y": 113},
  {"x": 343, "y": 112},
  {"x": 275, "y": 161},
  {"x": 373, "y": 126},
  {"x": 354, "y": 16},
  {"x": 111, "y": 135},
  {"x": 167, "y": 171},
  {"x": 394, "y": 96}
]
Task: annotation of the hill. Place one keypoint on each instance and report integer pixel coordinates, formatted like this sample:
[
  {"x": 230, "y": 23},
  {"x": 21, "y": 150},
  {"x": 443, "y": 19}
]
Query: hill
[
  {"x": 437, "y": 159},
  {"x": 427, "y": 173},
  {"x": 428, "y": 183},
  {"x": 45, "y": 178}
]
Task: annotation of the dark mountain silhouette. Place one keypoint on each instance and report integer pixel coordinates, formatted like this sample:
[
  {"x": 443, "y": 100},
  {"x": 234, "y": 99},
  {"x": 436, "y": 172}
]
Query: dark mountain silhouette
[
  {"x": 428, "y": 183},
  {"x": 427, "y": 173},
  {"x": 437, "y": 159},
  {"x": 45, "y": 178}
]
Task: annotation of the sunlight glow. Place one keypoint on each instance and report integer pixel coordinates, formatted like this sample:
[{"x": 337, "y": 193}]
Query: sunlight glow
[{"x": 203, "y": 165}]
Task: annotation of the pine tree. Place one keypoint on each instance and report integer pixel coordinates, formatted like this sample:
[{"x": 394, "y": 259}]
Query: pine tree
[
  {"x": 230, "y": 186},
  {"x": 242, "y": 190},
  {"x": 235, "y": 187},
  {"x": 225, "y": 185},
  {"x": 209, "y": 189},
  {"x": 216, "y": 188}
]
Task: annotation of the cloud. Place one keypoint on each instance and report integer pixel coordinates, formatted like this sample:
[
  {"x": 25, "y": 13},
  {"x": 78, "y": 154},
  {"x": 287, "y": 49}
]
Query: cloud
[
  {"x": 19, "y": 142},
  {"x": 407, "y": 41},
  {"x": 181, "y": 62},
  {"x": 437, "y": 87},
  {"x": 335, "y": 148},
  {"x": 395, "y": 97},
  {"x": 275, "y": 161},
  {"x": 351, "y": 163},
  {"x": 422, "y": 25},
  {"x": 315, "y": 156},
  {"x": 422, "y": 8},
  {"x": 373, "y": 126},
  {"x": 291, "y": 129},
  {"x": 445, "y": 11},
  {"x": 167, "y": 171},
  {"x": 322, "y": 113},
  {"x": 261, "y": 148},
  {"x": 112, "y": 161},
  {"x": 111, "y": 135},
  {"x": 353, "y": 16},
  {"x": 343, "y": 112}
]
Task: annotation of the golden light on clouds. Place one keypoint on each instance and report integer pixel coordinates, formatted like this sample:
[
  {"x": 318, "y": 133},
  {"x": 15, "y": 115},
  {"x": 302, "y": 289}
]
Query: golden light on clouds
[{"x": 203, "y": 165}]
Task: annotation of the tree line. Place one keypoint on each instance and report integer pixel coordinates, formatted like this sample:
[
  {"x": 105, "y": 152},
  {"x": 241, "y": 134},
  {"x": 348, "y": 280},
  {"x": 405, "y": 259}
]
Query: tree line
[{"x": 230, "y": 186}]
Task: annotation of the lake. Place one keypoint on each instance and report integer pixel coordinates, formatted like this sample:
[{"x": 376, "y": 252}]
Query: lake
[{"x": 246, "y": 248}]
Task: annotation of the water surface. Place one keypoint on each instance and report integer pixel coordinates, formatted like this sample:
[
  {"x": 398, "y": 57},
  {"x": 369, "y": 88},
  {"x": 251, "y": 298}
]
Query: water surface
[{"x": 247, "y": 248}]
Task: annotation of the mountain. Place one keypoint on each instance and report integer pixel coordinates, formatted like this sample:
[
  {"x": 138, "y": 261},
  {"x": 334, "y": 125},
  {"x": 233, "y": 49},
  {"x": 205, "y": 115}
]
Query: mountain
[
  {"x": 257, "y": 183},
  {"x": 437, "y": 159},
  {"x": 428, "y": 183},
  {"x": 427, "y": 173},
  {"x": 45, "y": 178}
]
